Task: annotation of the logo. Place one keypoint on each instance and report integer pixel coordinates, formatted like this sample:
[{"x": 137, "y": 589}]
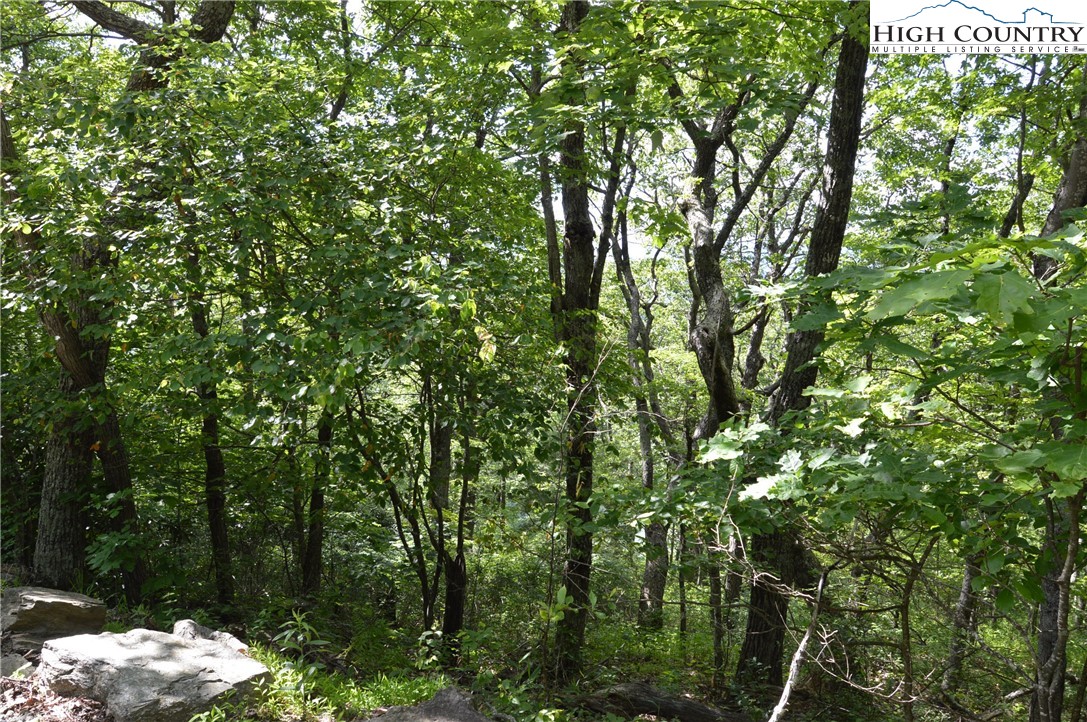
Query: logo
[{"x": 977, "y": 27}]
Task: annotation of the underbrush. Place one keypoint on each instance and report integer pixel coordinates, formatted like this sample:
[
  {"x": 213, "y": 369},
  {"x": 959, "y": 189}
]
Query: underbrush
[
  {"x": 308, "y": 694},
  {"x": 306, "y": 691}
]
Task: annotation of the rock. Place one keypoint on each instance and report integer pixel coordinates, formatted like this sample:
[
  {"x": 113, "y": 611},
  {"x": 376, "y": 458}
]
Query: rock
[
  {"x": 633, "y": 699},
  {"x": 449, "y": 705},
  {"x": 149, "y": 676},
  {"x": 188, "y": 629},
  {"x": 31, "y": 615},
  {"x": 15, "y": 665}
]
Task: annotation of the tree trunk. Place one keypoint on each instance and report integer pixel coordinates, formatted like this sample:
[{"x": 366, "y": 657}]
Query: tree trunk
[
  {"x": 1062, "y": 532},
  {"x": 682, "y": 557},
  {"x": 214, "y": 464},
  {"x": 60, "y": 548},
  {"x": 763, "y": 651},
  {"x": 655, "y": 577},
  {"x": 456, "y": 568},
  {"x": 84, "y": 360},
  {"x": 963, "y": 624},
  {"x": 717, "y": 617},
  {"x": 315, "y": 517},
  {"x": 648, "y": 414},
  {"x": 215, "y": 498},
  {"x": 906, "y": 633},
  {"x": 582, "y": 270},
  {"x": 710, "y": 334},
  {"x": 755, "y": 360},
  {"x": 765, "y": 635}
]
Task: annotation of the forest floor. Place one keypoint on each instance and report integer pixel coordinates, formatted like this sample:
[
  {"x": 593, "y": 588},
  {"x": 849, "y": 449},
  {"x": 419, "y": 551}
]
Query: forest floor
[{"x": 25, "y": 700}]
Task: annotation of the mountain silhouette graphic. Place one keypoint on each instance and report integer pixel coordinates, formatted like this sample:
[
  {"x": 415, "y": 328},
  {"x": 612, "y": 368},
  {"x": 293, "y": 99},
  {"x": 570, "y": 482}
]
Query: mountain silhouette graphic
[{"x": 964, "y": 6}]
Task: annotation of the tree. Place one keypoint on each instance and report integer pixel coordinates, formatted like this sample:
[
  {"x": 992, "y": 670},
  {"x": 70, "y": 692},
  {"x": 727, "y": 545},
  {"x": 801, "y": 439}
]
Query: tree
[
  {"x": 781, "y": 550},
  {"x": 576, "y": 273}
]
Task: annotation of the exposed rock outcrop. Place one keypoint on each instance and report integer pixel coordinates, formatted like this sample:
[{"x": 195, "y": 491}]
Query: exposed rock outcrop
[
  {"x": 449, "y": 705},
  {"x": 31, "y": 615},
  {"x": 149, "y": 676},
  {"x": 632, "y": 699}
]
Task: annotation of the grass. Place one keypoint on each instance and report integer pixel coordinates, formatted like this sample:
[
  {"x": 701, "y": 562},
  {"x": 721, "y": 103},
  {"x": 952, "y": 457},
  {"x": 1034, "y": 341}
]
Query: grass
[{"x": 308, "y": 693}]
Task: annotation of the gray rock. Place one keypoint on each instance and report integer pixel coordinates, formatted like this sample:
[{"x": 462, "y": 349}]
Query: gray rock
[
  {"x": 31, "y": 615},
  {"x": 449, "y": 705},
  {"x": 15, "y": 665},
  {"x": 188, "y": 629},
  {"x": 149, "y": 676}
]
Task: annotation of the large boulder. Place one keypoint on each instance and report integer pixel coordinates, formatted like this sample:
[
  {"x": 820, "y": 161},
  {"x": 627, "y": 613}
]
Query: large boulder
[
  {"x": 31, "y": 615},
  {"x": 449, "y": 705},
  {"x": 149, "y": 676}
]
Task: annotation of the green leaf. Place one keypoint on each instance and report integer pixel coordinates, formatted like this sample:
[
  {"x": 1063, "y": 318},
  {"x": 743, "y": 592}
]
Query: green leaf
[
  {"x": 994, "y": 563},
  {"x": 1005, "y": 601},
  {"x": 853, "y": 429},
  {"x": 900, "y": 348},
  {"x": 935, "y": 286},
  {"x": 468, "y": 310},
  {"x": 1001, "y": 295},
  {"x": 817, "y": 317},
  {"x": 1020, "y": 462},
  {"x": 821, "y": 457},
  {"x": 859, "y": 384},
  {"x": 818, "y": 393},
  {"x": 722, "y": 448},
  {"x": 1068, "y": 461},
  {"x": 37, "y": 189},
  {"x": 1031, "y": 589}
]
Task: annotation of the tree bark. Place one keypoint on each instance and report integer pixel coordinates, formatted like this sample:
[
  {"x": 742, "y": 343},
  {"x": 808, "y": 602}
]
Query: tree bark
[
  {"x": 215, "y": 497},
  {"x": 60, "y": 549},
  {"x": 763, "y": 652},
  {"x": 828, "y": 230},
  {"x": 717, "y": 616}
]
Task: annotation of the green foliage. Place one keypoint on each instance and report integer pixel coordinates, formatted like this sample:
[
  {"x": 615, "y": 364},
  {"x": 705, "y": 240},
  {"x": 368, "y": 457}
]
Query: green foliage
[
  {"x": 309, "y": 694},
  {"x": 298, "y": 639}
]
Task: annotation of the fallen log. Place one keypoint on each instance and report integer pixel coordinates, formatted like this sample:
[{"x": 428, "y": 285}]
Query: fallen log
[{"x": 632, "y": 699}]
